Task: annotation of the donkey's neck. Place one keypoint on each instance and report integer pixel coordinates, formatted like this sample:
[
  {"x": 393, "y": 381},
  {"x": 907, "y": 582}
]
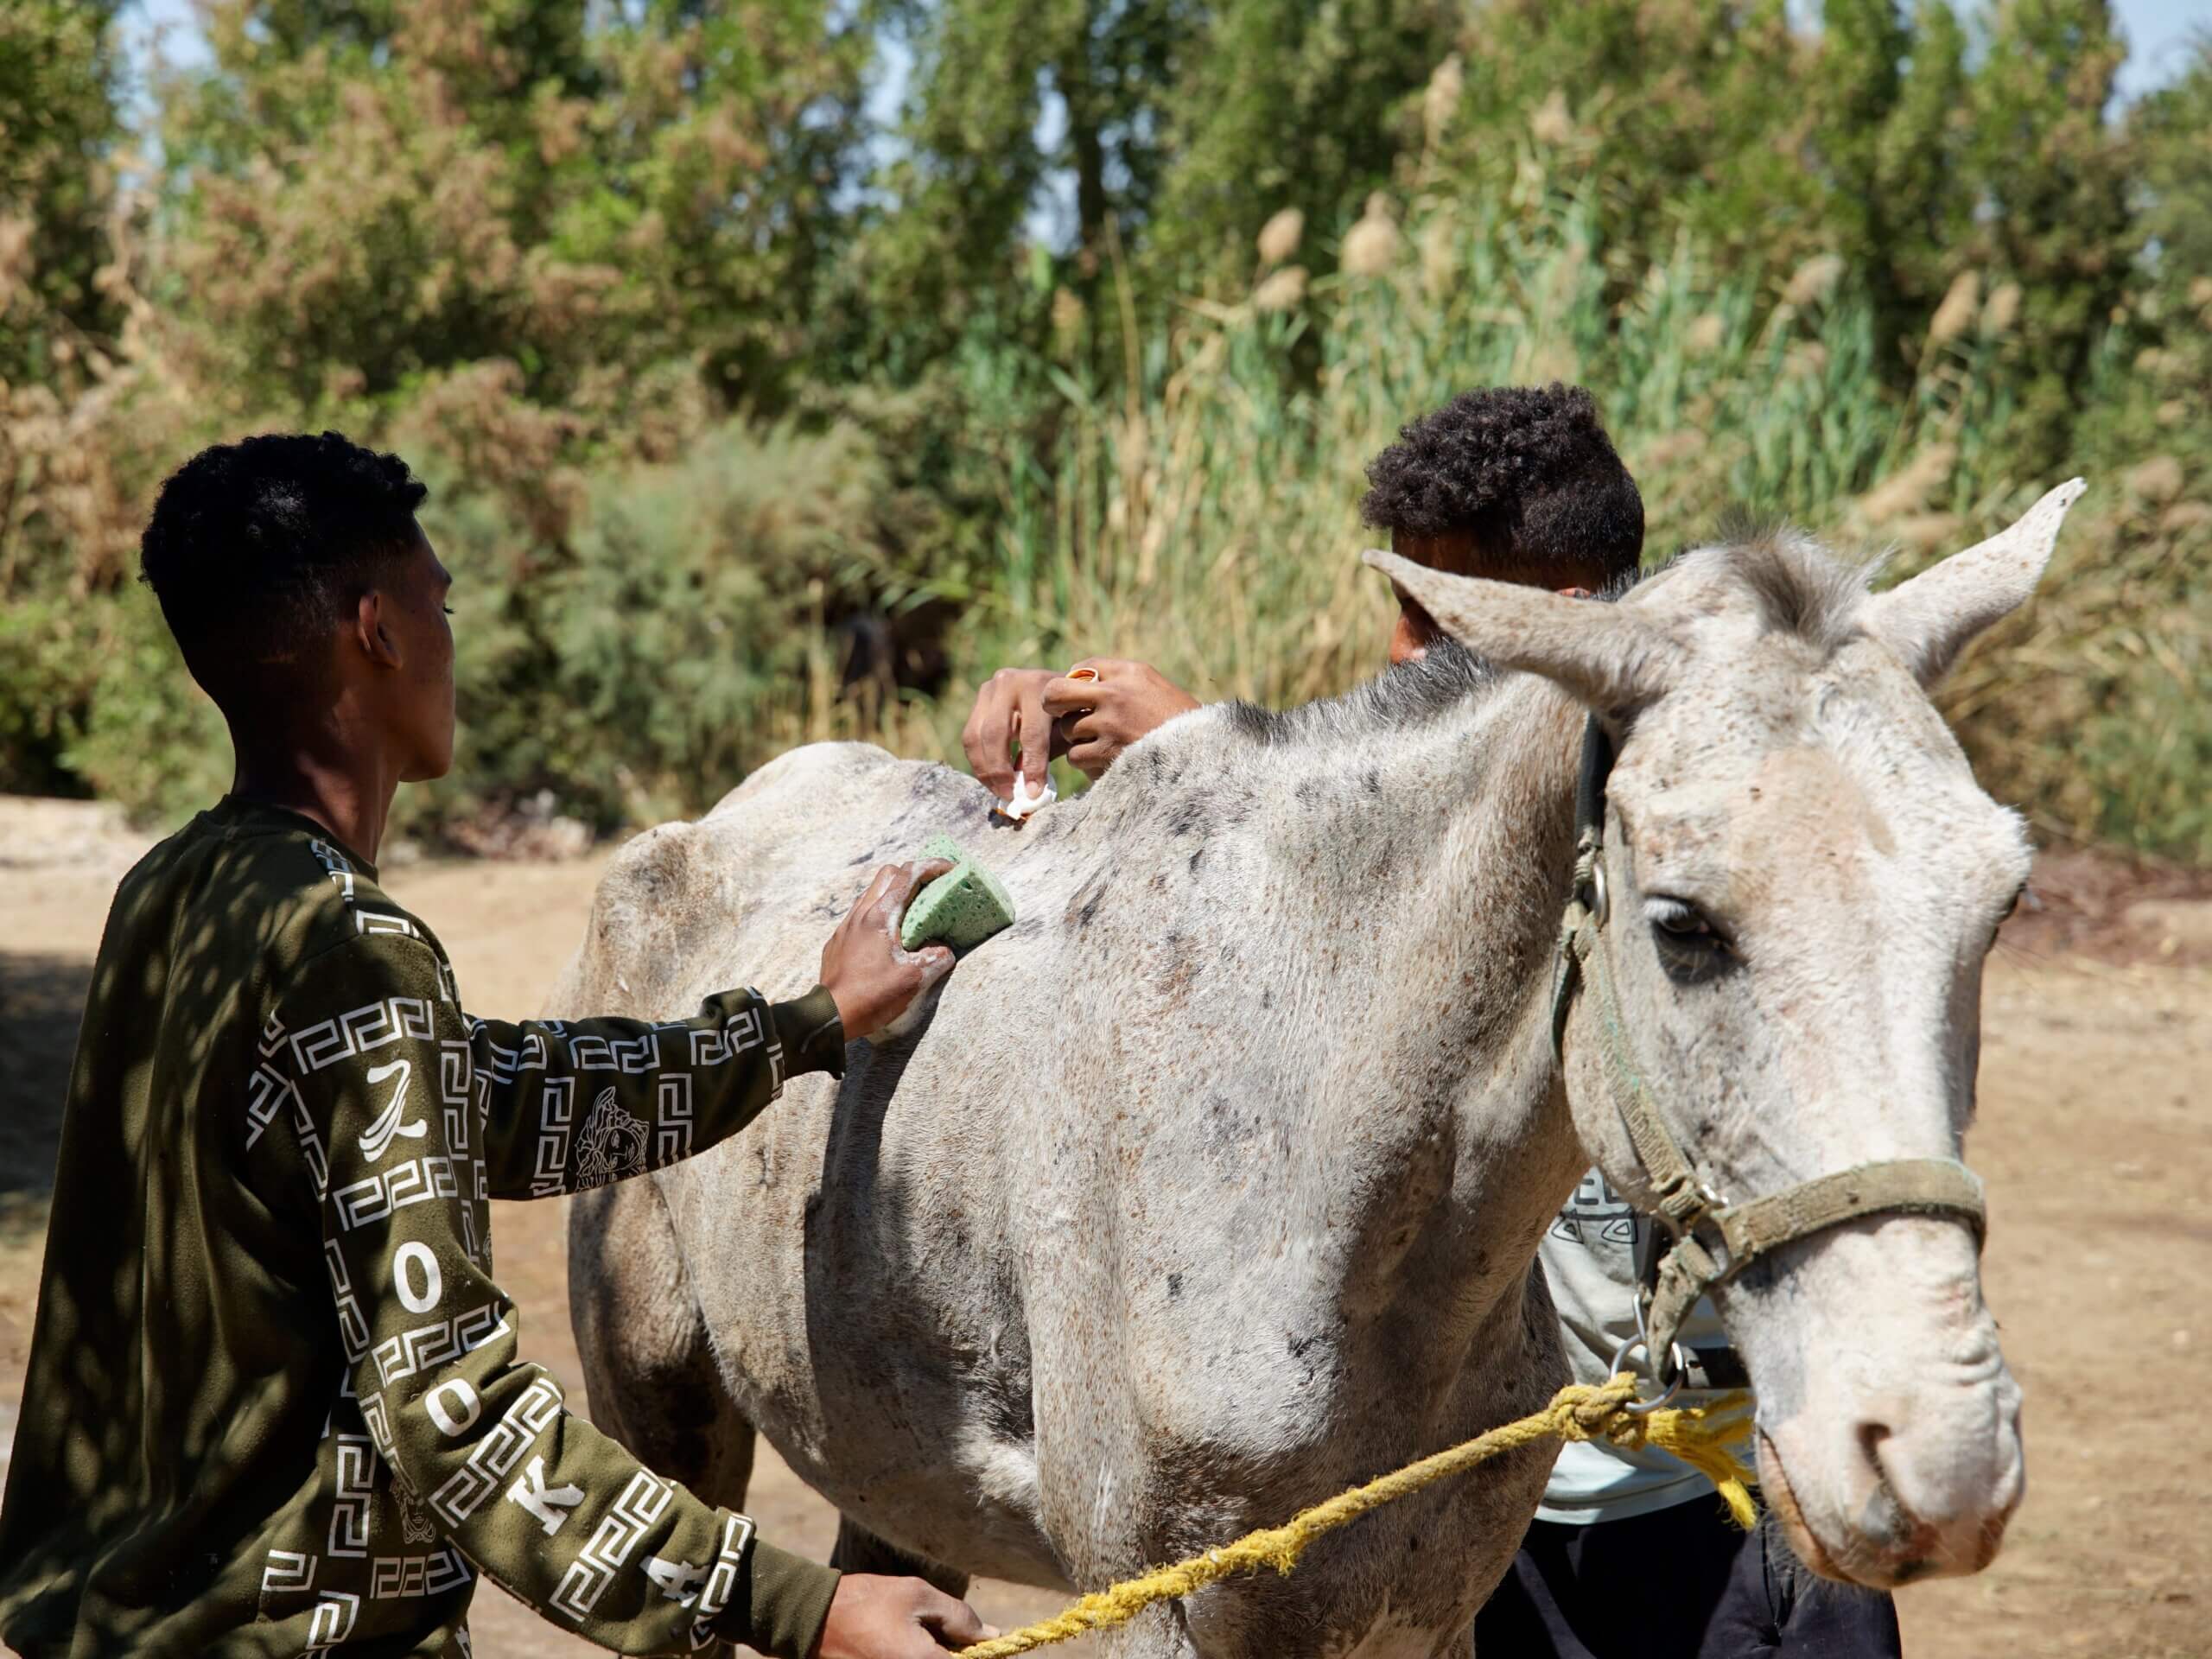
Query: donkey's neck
[{"x": 1384, "y": 893}]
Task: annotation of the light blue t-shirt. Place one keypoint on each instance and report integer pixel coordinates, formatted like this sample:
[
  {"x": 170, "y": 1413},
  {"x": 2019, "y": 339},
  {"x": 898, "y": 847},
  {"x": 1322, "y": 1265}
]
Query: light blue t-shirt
[{"x": 1589, "y": 1257}]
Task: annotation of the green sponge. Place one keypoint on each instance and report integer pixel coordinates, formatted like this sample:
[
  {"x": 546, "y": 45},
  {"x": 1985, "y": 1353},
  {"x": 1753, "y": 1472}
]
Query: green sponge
[{"x": 961, "y": 908}]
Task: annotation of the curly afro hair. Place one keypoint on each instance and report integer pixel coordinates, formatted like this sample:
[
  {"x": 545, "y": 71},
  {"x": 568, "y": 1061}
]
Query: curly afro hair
[
  {"x": 257, "y": 548},
  {"x": 1527, "y": 470}
]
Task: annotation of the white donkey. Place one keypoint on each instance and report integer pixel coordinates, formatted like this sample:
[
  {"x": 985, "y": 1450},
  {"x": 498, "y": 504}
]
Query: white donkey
[{"x": 1213, "y": 1185}]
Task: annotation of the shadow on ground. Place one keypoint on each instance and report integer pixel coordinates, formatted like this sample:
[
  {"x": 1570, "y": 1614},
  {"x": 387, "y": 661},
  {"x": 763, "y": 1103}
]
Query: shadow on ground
[{"x": 41, "y": 999}]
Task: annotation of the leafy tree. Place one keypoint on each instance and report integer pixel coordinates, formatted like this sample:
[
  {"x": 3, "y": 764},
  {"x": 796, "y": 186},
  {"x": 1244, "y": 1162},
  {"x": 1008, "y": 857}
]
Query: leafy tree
[
  {"x": 58, "y": 126},
  {"x": 1005, "y": 97},
  {"x": 1301, "y": 106},
  {"x": 371, "y": 191},
  {"x": 2052, "y": 209}
]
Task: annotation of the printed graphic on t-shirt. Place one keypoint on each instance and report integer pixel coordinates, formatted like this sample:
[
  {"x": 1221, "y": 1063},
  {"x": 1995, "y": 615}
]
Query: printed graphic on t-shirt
[{"x": 1595, "y": 1215}]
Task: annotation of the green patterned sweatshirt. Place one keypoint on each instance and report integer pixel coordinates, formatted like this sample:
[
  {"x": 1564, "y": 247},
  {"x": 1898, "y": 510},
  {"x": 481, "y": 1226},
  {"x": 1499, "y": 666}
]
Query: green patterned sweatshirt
[{"x": 275, "y": 1404}]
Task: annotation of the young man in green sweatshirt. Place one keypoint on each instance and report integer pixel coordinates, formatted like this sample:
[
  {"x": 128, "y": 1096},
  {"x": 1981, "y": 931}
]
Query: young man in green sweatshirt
[{"x": 275, "y": 1404}]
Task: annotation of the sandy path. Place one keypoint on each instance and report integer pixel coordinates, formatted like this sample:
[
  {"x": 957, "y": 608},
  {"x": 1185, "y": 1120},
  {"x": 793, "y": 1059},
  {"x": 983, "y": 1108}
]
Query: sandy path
[{"x": 2095, "y": 1138}]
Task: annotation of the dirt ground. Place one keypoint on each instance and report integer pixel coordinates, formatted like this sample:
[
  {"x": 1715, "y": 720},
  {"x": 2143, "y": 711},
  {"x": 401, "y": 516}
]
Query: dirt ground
[{"x": 2095, "y": 1139}]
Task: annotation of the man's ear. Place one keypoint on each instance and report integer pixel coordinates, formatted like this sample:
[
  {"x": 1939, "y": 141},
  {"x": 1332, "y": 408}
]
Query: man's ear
[
  {"x": 371, "y": 633},
  {"x": 1929, "y": 621},
  {"x": 1610, "y": 660}
]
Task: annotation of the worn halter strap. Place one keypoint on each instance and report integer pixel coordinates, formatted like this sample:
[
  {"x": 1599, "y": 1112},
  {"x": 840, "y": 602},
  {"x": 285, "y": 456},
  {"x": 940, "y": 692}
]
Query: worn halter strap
[{"x": 1697, "y": 1218}]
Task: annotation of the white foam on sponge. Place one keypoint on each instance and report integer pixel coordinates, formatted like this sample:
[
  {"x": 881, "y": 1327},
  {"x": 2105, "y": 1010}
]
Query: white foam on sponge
[{"x": 1024, "y": 802}]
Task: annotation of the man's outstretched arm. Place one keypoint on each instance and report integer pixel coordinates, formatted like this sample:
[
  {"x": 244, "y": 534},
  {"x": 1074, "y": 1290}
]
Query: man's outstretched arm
[{"x": 561, "y": 1106}]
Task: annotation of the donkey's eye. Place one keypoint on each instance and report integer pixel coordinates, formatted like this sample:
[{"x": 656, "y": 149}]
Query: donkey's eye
[{"x": 1690, "y": 947}]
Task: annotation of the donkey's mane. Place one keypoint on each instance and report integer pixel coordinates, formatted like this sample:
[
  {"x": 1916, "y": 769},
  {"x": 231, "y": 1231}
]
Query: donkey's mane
[{"x": 1404, "y": 695}]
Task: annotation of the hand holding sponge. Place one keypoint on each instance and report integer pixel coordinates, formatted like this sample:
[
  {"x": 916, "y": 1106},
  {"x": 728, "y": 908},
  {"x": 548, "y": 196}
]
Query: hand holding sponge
[{"x": 961, "y": 908}]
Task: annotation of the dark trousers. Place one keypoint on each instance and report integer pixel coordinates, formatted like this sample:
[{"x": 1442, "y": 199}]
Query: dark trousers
[{"x": 1684, "y": 1583}]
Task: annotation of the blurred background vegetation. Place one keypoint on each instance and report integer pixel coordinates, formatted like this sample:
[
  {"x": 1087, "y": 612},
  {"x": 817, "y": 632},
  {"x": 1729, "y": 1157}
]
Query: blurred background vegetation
[{"x": 763, "y": 400}]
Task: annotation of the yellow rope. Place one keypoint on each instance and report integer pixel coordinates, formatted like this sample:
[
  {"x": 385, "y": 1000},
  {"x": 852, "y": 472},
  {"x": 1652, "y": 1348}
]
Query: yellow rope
[{"x": 1699, "y": 1435}]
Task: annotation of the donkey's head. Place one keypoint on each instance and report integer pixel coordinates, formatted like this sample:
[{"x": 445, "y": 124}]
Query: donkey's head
[{"x": 1802, "y": 880}]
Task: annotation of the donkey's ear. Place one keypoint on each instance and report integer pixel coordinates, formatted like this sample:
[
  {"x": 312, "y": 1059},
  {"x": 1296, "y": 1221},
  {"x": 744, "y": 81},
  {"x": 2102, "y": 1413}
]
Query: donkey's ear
[
  {"x": 1610, "y": 660},
  {"x": 1929, "y": 621}
]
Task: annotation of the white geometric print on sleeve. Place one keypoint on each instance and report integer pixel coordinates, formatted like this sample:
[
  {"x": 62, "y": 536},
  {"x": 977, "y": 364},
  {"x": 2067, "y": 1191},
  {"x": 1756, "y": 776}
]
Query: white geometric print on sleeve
[
  {"x": 360, "y": 1031},
  {"x": 265, "y": 1095},
  {"x": 502, "y": 1066},
  {"x": 612, "y": 1146},
  {"x": 741, "y": 1031},
  {"x": 288, "y": 1571},
  {"x": 355, "y": 1493},
  {"x": 549, "y": 1505},
  {"x": 434, "y": 1344},
  {"x": 721, "y": 1583},
  {"x": 333, "y": 1620},
  {"x": 374, "y": 1419},
  {"x": 498, "y": 1453},
  {"x": 632, "y": 1055},
  {"x": 377, "y": 1139},
  {"x": 672, "y": 1118},
  {"x": 453, "y": 1094},
  {"x": 351, "y": 1325},
  {"x": 374, "y": 1197},
  {"x": 556, "y": 1117},
  {"x": 310, "y": 1139},
  {"x": 393, "y": 1577},
  {"x": 616, "y": 1535}
]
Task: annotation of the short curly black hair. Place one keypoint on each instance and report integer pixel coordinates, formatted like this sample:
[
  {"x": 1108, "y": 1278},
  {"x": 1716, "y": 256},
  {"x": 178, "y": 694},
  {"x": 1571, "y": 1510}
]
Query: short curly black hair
[
  {"x": 1528, "y": 470},
  {"x": 257, "y": 548}
]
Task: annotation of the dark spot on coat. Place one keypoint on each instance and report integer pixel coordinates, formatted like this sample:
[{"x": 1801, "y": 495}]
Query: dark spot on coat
[
  {"x": 1085, "y": 905},
  {"x": 1174, "y": 1286},
  {"x": 1184, "y": 817}
]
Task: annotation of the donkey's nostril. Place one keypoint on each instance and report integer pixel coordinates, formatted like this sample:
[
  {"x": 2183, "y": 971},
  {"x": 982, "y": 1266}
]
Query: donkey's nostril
[{"x": 1871, "y": 1436}]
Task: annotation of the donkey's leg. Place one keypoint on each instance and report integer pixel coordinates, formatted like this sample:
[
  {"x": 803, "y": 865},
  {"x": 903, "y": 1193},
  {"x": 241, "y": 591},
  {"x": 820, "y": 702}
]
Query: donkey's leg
[
  {"x": 643, "y": 1343},
  {"x": 859, "y": 1550}
]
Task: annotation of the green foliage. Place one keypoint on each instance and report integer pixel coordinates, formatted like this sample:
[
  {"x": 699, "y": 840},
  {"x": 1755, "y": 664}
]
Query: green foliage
[
  {"x": 58, "y": 122},
  {"x": 693, "y": 614},
  {"x": 1286, "y": 106},
  {"x": 1205, "y": 518},
  {"x": 151, "y": 738},
  {"x": 368, "y": 193},
  {"x": 46, "y": 684},
  {"x": 749, "y": 423}
]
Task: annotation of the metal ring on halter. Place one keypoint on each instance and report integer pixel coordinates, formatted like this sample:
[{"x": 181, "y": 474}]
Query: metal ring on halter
[
  {"x": 1600, "y": 898},
  {"x": 1638, "y": 1408}
]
